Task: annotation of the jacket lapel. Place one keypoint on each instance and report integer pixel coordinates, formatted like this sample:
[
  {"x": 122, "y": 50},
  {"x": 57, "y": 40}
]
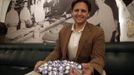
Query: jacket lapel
[
  {"x": 85, "y": 34},
  {"x": 65, "y": 42}
]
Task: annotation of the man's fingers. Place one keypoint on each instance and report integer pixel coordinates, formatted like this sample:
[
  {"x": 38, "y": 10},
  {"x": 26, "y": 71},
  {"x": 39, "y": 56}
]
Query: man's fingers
[
  {"x": 39, "y": 63},
  {"x": 87, "y": 69},
  {"x": 71, "y": 71},
  {"x": 85, "y": 66},
  {"x": 74, "y": 71}
]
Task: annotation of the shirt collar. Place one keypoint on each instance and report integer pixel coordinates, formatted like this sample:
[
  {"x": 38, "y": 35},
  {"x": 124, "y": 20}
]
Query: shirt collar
[{"x": 80, "y": 29}]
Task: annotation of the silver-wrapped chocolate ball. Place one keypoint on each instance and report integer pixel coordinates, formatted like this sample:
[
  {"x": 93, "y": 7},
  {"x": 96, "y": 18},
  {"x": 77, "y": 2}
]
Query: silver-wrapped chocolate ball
[{"x": 58, "y": 67}]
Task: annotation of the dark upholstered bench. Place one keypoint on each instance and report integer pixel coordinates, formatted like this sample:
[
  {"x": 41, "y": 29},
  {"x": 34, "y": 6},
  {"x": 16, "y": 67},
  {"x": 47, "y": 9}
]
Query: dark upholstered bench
[{"x": 18, "y": 58}]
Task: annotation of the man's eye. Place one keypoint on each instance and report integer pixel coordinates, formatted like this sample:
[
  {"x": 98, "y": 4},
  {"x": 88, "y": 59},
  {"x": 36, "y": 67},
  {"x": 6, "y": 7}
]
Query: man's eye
[
  {"x": 83, "y": 11},
  {"x": 76, "y": 10}
]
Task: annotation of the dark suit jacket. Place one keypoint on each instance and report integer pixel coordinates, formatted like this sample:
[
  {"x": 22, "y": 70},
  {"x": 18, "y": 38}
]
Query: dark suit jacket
[{"x": 90, "y": 49}]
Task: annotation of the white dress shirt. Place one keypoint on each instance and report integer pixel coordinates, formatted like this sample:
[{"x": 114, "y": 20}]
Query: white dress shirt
[{"x": 74, "y": 42}]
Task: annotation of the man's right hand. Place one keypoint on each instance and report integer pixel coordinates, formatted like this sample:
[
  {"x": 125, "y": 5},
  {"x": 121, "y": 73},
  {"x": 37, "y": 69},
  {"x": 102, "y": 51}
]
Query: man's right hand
[{"x": 38, "y": 64}]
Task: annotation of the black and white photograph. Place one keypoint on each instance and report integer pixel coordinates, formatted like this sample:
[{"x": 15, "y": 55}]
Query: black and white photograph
[{"x": 39, "y": 21}]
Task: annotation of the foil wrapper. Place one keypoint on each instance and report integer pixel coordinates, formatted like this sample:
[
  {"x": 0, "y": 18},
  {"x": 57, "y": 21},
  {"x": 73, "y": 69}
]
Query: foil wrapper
[{"x": 58, "y": 67}]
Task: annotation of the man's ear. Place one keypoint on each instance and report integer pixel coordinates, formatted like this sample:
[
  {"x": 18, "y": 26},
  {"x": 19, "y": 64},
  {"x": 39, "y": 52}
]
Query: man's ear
[
  {"x": 72, "y": 14},
  {"x": 88, "y": 15}
]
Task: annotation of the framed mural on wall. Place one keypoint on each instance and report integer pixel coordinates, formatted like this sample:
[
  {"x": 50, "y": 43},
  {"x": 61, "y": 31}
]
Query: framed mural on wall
[{"x": 39, "y": 21}]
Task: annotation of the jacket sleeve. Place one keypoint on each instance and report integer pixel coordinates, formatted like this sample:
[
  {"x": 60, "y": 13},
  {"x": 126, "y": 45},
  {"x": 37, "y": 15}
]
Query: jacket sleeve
[
  {"x": 97, "y": 55},
  {"x": 56, "y": 53}
]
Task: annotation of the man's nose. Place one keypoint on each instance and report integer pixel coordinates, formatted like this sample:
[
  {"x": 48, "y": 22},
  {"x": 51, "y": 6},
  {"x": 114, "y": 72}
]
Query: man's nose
[{"x": 79, "y": 12}]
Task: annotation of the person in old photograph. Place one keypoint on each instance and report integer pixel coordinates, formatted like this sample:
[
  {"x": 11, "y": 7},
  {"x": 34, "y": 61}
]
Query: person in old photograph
[
  {"x": 12, "y": 19},
  {"x": 81, "y": 42},
  {"x": 104, "y": 18},
  {"x": 39, "y": 12},
  {"x": 126, "y": 23},
  {"x": 25, "y": 17},
  {"x": 131, "y": 9}
]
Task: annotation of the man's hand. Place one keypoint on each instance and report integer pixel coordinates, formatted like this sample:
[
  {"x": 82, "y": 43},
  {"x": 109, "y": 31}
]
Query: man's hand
[
  {"x": 86, "y": 70},
  {"x": 38, "y": 64},
  {"x": 74, "y": 72}
]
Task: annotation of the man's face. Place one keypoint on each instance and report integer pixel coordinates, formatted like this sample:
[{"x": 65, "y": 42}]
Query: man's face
[{"x": 80, "y": 13}]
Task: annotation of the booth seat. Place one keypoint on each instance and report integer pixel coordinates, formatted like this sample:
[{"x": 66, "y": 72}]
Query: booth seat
[{"x": 20, "y": 58}]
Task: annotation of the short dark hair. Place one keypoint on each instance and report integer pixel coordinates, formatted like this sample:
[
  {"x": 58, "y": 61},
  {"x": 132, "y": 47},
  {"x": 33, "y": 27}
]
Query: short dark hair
[{"x": 85, "y": 1}]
